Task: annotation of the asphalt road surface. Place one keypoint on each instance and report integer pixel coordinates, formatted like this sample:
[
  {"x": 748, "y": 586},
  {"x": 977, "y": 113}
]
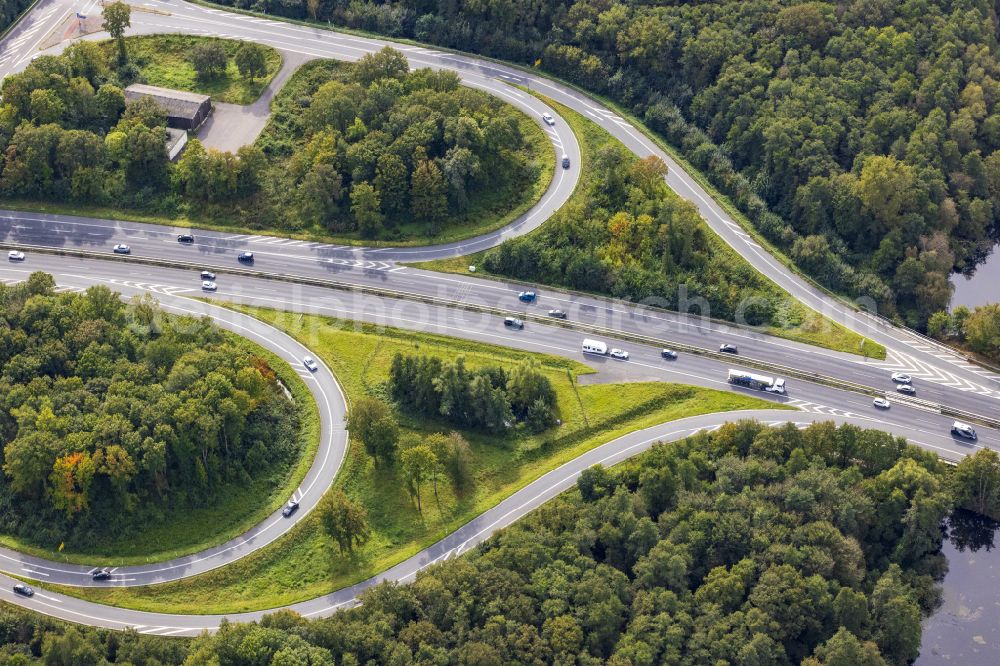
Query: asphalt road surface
[{"x": 941, "y": 375}]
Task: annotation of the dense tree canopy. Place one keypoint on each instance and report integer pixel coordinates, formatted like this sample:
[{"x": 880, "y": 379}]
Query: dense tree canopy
[
  {"x": 862, "y": 137},
  {"x": 633, "y": 238},
  {"x": 365, "y": 147},
  {"x": 977, "y": 329},
  {"x": 10, "y": 10},
  {"x": 371, "y": 146},
  {"x": 112, "y": 414},
  {"x": 750, "y": 545}
]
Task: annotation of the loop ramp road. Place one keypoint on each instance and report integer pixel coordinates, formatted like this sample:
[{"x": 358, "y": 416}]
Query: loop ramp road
[{"x": 943, "y": 375}]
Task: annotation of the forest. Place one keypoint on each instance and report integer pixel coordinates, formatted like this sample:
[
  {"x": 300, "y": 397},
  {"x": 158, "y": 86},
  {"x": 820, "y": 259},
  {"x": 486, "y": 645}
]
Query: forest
[
  {"x": 113, "y": 414},
  {"x": 859, "y": 137},
  {"x": 367, "y": 148},
  {"x": 10, "y": 10},
  {"x": 749, "y": 545},
  {"x": 631, "y": 237}
]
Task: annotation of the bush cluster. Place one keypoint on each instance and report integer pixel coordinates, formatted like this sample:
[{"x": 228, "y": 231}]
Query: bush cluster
[{"x": 493, "y": 399}]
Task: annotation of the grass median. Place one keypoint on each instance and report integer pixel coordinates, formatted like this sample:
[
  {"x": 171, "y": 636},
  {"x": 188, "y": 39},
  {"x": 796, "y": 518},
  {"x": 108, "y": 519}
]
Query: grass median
[
  {"x": 800, "y": 323},
  {"x": 165, "y": 61},
  {"x": 305, "y": 563}
]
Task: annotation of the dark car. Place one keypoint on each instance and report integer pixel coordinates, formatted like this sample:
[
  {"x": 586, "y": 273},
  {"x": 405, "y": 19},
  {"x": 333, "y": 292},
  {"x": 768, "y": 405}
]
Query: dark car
[
  {"x": 728, "y": 349},
  {"x": 245, "y": 257},
  {"x": 101, "y": 574},
  {"x": 558, "y": 314},
  {"x": 565, "y": 161},
  {"x": 526, "y": 296},
  {"x": 906, "y": 388},
  {"x": 122, "y": 248},
  {"x": 185, "y": 238},
  {"x": 207, "y": 275},
  {"x": 290, "y": 508},
  {"x": 513, "y": 322},
  {"x": 669, "y": 354},
  {"x": 24, "y": 590}
]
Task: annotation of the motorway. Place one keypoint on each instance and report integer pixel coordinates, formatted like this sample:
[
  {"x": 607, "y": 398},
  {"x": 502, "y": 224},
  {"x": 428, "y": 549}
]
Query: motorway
[
  {"x": 917, "y": 356},
  {"x": 174, "y": 288},
  {"x": 939, "y": 382},
  {"x": 421, "y": 304}
]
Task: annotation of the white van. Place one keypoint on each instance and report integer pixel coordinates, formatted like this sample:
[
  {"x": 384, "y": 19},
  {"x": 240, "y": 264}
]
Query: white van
[{"x": 594, "y": 347}]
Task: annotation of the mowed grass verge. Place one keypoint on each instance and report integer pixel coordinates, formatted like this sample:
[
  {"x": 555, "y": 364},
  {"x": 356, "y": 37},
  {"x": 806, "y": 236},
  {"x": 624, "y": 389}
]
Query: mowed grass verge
[
  {"x": 235, "y": 510},
  {"x": 305, "y": 563},
  {"x": 165, "y": 61},
  {"x": 805, "y": 325}
]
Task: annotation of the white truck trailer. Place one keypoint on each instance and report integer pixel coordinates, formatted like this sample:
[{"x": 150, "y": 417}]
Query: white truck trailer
[{"x": 757, "y": 382}]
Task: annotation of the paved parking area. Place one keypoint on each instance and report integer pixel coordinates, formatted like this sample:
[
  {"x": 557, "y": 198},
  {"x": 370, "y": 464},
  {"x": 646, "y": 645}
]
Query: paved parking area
[{"x": 231, "y": 125}]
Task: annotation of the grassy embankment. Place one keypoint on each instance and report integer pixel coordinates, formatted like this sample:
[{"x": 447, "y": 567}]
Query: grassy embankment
[
  {"x": 809, "y": 326},
  {"x": 237, "y": 508},
  {"x": 305, "y": 563},
  {"x": 165, "y": 60}
]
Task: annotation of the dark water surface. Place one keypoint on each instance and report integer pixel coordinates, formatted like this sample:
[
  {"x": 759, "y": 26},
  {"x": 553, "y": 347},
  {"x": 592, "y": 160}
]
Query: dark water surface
[
  {"x": 966, "y": 628},
  {"x": 982, "y": 287}
]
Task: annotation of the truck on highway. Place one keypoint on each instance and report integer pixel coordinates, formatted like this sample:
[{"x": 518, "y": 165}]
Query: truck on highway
[{"x": 757, "y": 382}]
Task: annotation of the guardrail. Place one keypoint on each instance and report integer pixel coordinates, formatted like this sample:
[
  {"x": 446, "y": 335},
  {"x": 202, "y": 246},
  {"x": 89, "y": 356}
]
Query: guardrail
[{"x": 593, "y": 329}]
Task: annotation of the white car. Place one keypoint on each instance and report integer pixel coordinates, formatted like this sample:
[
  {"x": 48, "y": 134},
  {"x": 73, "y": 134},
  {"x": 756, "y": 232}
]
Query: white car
[
  {"x": 122, "y": 248},
  {"x": 208, "y": 285},
  {"x": 901, "y": 378},
  {"x": 881, "y": 403},
  {"x": 963, "y": 430},
  {"x": 549, "y": 120},
  {"x": 620, "y": 354},
  {"x": 15, "y": 255},
  {"x": 310, "y": 364}
]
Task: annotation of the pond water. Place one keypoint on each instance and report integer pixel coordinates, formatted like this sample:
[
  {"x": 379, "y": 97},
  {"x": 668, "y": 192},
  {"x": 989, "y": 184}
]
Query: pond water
[
  {"x": 966, "y": 628},
  {"x": 981, "y": 287}
]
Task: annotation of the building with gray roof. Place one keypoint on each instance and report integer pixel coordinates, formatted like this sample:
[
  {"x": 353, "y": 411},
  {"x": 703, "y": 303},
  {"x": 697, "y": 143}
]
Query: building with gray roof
[{"x": 185, "y": 110}]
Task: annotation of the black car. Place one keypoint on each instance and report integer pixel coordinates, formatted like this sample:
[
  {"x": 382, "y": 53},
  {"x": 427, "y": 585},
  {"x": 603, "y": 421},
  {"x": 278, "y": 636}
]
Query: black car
[
  {"x": 24, "y": 590},
  {"x": 558, "y": 314},
  {"x": 668, "y": 354},
  {"x": 185, "y": 238},
  {"x": 245, "y": 257},
  {"x": 207, "y": 275},
  {"x": 513, "y": 322},
  {"x": 101, "y": 574},
  {"x": 728, "y": 349},
  {"x": 290, "y": 508}
]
